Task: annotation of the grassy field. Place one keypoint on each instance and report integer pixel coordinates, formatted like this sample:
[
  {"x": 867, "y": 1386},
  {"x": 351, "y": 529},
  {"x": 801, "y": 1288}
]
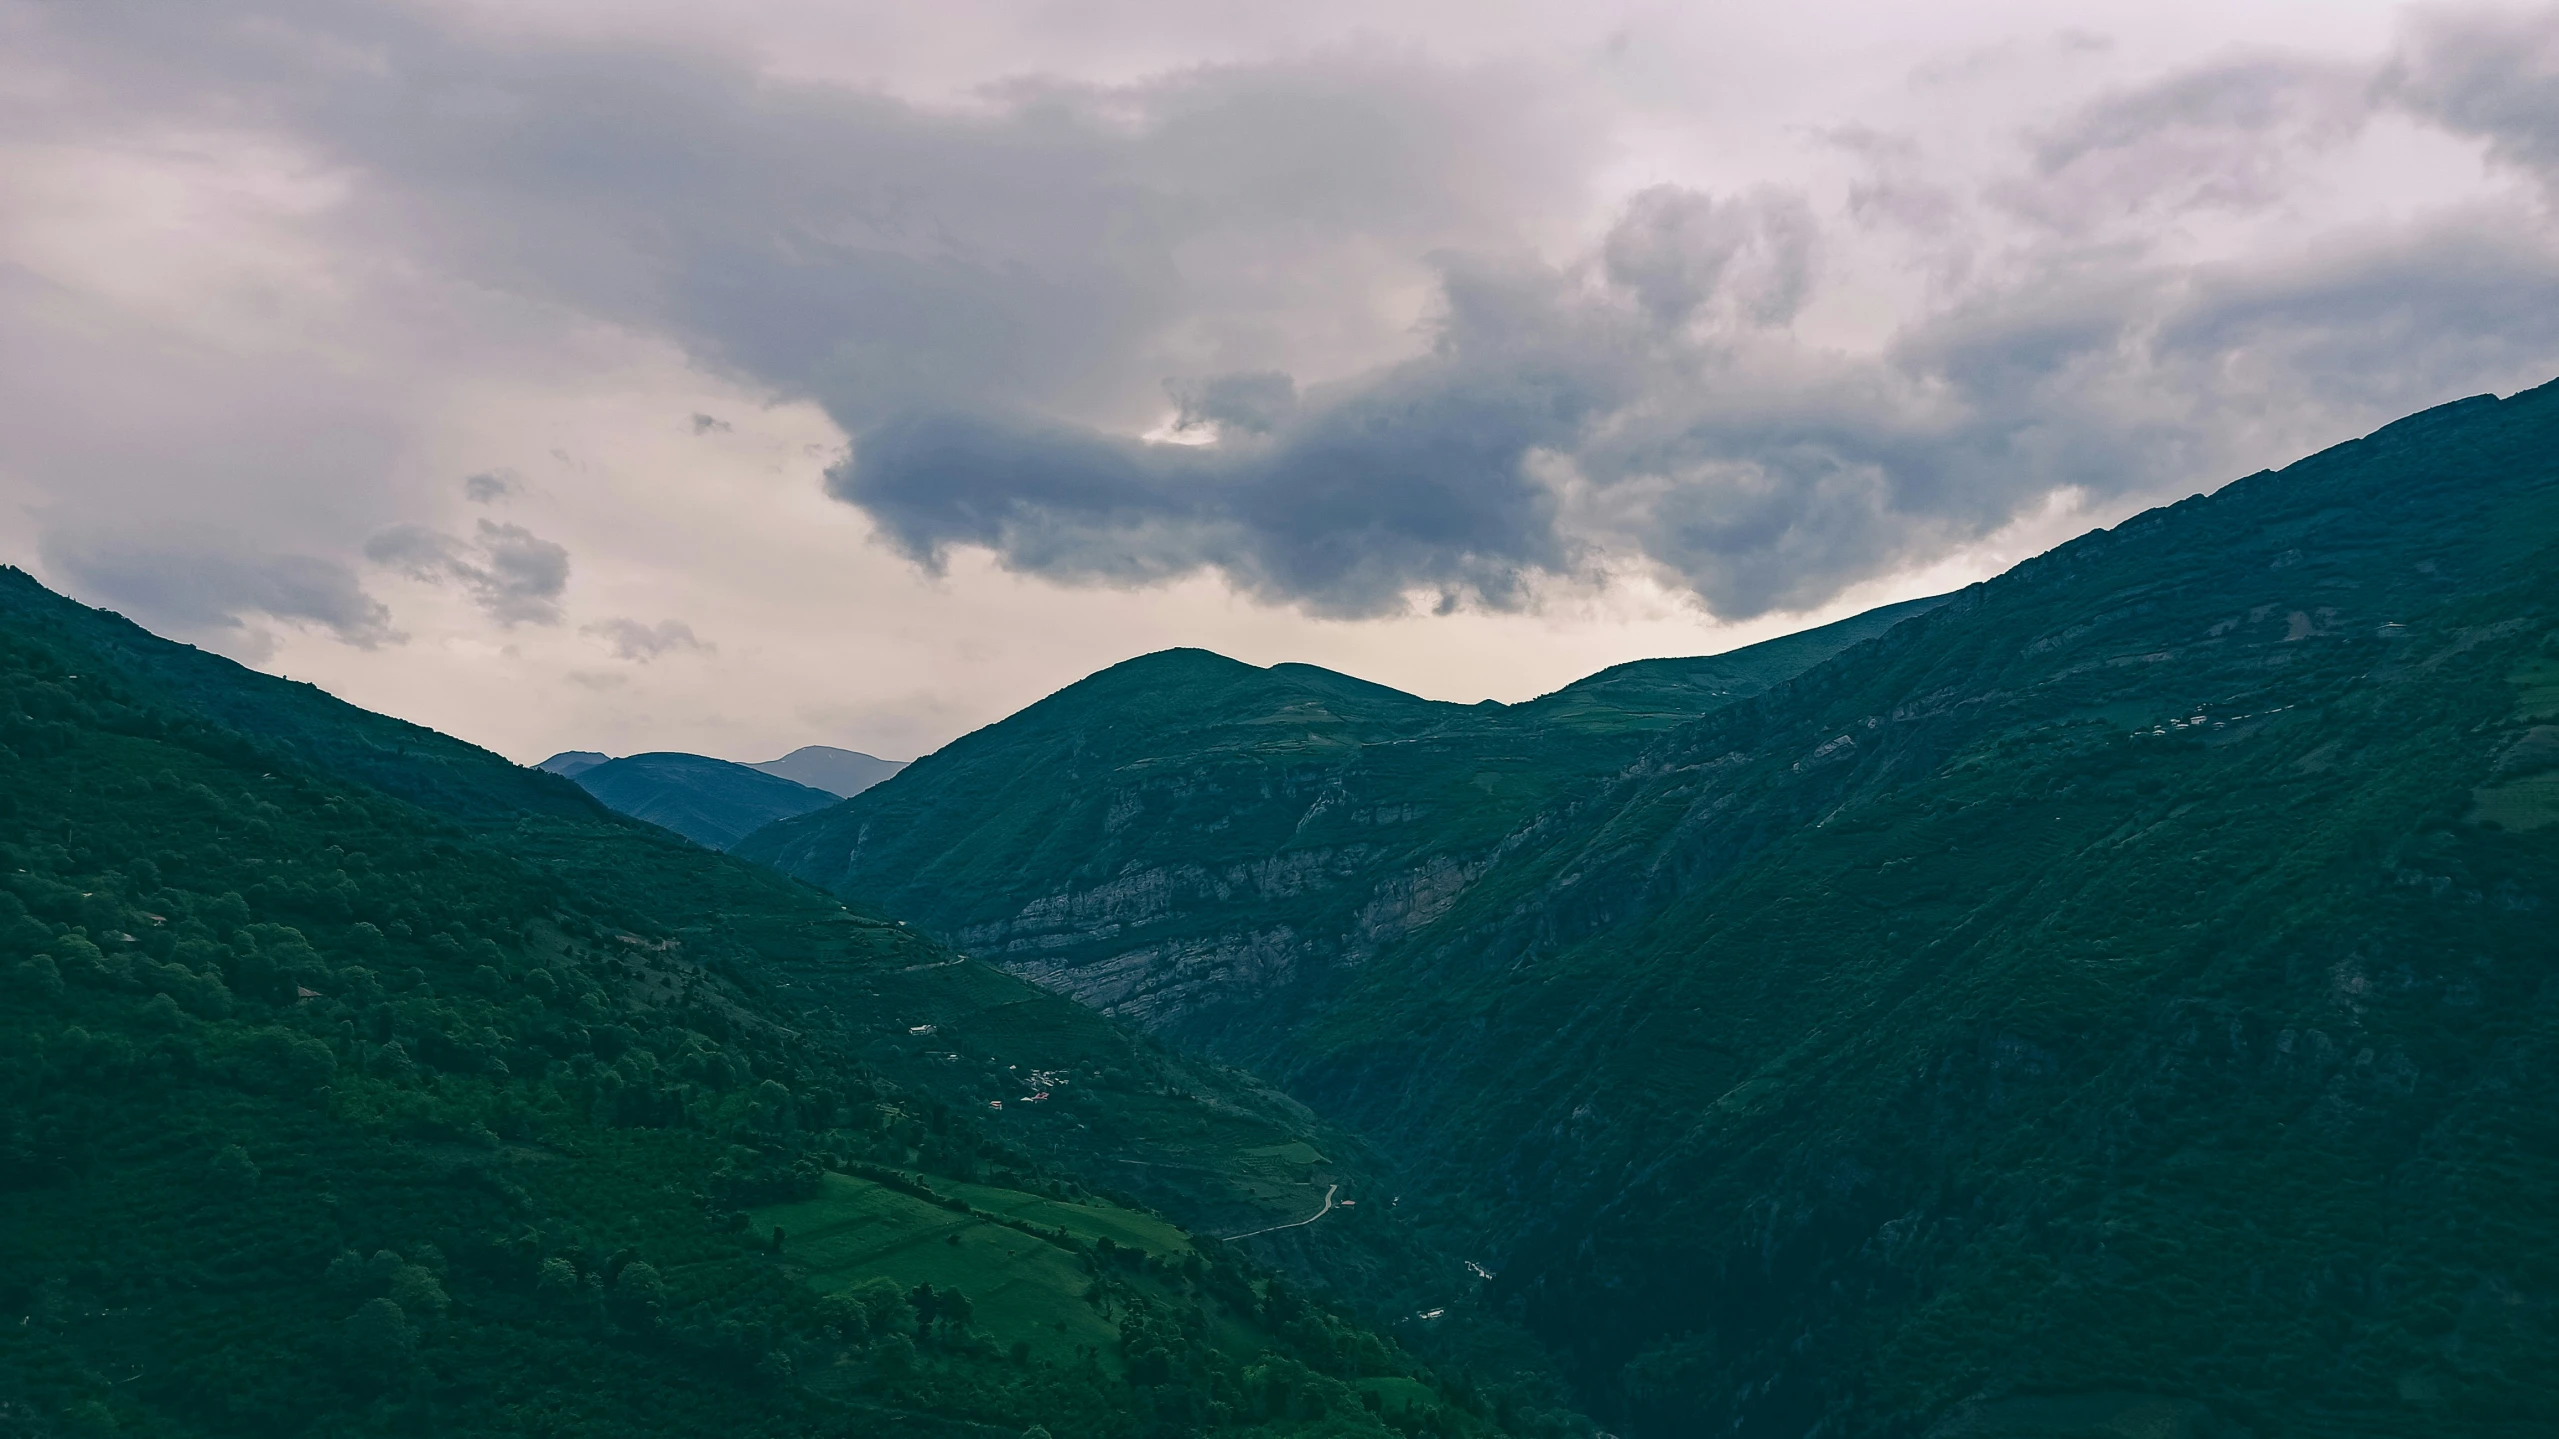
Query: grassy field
[{"x": 1022, "y": 1288}]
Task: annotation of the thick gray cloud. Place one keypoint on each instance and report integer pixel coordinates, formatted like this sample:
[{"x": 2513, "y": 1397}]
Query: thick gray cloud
[
  {"x": 1562, "y": 416},
  {"x": 995, "y": 299},
  {"x": 1649, "y": 400},
  {"x": 514, "y": 575},
  {"x": 1343, "y": 499}
]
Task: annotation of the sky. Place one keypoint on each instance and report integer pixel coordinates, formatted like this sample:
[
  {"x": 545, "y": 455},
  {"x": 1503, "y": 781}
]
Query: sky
[{"x": 633, "y": 376}]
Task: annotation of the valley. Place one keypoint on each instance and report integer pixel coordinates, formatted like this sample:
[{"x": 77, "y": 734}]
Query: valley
[
  {"x": 2113, "y": 980},
  {"x": 2109, "y": 999}
]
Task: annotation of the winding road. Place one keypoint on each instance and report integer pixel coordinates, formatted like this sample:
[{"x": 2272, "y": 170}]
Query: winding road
[{"x": 1329, "y": 1191}]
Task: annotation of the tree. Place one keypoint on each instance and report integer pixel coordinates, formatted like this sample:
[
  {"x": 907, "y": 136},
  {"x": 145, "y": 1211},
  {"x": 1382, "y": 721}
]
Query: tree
[
  {"x": 378, "y": 1340},
  {"x": 415, "y": 1289},
  {"x": 887, "y": 1308},
  {"x": 233, "y": 1171}
]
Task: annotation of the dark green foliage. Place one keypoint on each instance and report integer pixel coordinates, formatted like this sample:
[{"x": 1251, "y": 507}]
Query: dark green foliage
[
  {"x": 2091, "y": 988},
  {"x": 321, "y": 1113}
]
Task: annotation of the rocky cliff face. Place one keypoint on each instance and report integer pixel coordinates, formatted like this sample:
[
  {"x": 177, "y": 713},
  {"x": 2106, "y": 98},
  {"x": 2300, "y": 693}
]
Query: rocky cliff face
[
  {"x": 1173, "y": 949},
  {"x": 1199, "y": 845}
]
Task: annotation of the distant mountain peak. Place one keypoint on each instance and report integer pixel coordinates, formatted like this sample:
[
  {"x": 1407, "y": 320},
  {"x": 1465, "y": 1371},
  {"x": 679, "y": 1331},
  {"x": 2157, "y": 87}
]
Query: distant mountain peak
[{"x": 843, "y": 773}]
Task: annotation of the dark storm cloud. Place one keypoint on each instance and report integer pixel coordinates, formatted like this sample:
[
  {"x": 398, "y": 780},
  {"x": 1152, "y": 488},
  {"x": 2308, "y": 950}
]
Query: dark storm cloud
[
  {"x": 1557, "y": 419},
  {"x": 514, "y": 575},
  {"x": 1342, "y": 499}
]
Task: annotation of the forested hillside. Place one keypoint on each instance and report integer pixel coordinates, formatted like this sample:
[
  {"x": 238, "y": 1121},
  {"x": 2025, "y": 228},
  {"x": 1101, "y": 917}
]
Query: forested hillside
[
  {"x": 356, "y": 1081},
  {"x": 2117, "y": 1001},
  {"x": 2130, "y": 982},
  {"x": 1191, "y": 842}
]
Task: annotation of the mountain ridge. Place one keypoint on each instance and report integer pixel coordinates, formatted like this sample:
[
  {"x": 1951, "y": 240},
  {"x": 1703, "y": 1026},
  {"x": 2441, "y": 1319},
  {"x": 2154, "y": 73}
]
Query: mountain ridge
[{"x": 1284, "y": 872}]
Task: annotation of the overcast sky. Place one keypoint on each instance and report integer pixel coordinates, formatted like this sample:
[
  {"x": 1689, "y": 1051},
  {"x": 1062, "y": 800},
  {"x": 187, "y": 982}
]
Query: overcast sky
[{"x": 639, "y": 375}]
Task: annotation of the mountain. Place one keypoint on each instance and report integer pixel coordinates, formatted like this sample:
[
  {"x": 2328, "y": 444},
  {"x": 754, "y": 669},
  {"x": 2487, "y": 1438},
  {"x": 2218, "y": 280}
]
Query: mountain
[
  {"x": 709, "y": 801},
  {"x": 714, "y": 802},
  {"x": 1184, "y": 840},
  {"x": 2117, "y": 1000},
  {"x": 354, "y": 1080},
  {"x": 1657, "y": 694},
  {"x": 843, "y": 773}
]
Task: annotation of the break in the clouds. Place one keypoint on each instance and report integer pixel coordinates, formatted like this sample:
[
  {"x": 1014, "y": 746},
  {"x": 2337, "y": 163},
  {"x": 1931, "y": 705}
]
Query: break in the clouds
[{"x": 1390, "y": 312}]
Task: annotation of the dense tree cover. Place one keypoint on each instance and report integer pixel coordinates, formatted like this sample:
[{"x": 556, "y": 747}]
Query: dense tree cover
[
  {"x": 2117, "y": 1001},
  {"x": 2109, "y": 984},
  {"x": 321, "y": 1113}
]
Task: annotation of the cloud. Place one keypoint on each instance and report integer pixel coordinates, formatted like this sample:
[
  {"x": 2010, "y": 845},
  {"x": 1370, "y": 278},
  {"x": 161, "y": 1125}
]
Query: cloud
[
  {"x": 491, "y": 486},
  {"x": 1677, "y": 249},
  {"x": 220, "y": 597},
  {"x": 632, "y": 640},
  {"x": 2490, "y": 72},
  {"x": 1649, "y": 404},
  {"x": 1408, "y": 478},
  {"x": 706, "y": 424},
  {"x": 1251, "y": 403},
  {"x": 510, "y": 572},
  {"x": 2228, "y": 135},
  {"x": 997, "y": 297}
]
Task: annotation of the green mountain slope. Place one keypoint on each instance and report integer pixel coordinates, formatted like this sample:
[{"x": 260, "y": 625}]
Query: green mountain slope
[
  {"x": 709, "y": 801},
  {"x": 326, "y": 1113},
  {"x": 1658, "y": 694},
  {"x": 1188, "y": 841},
  {"x": 2123, "y": 991},
  {"x": 2118, "y": 1000},
  {"x": 409, "y": 761}
]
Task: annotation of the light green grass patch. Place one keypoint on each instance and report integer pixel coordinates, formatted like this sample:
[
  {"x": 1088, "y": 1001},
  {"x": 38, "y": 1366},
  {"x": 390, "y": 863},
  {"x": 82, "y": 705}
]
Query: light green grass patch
[
  {"x": 2522, "y": 804},
  {"x": 1124, "y": 1227},
  {"x": 1398, "y": 1393},
  {"x": 1020, "y": 1287},
  {"x": 2538, "y": 679}
]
